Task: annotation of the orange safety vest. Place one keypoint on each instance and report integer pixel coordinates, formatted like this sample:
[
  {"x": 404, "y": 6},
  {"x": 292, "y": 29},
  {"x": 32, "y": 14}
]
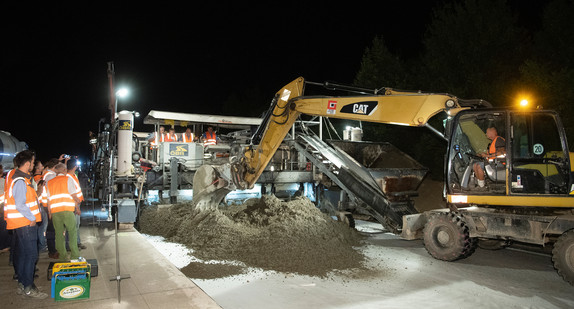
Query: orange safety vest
[
  {"x": 210, "y": 139},
  {"x": 47, "y": 173},
  {"x": 9, "y": 178},
  {"x": 158, "y": 138},
  {"x": 79, "y": 194},
  {"x": 492, "y": 148},
  {"x": 7, "y": 182},
  {"x": 38, "y": 177},
  {"x": 171, "y": 138},
  {"x": 59, "y": 198},
  {"x": 14, "y": 219},
  {"x": 43, "y": 196},
  {"x": 187, "y": 139}
]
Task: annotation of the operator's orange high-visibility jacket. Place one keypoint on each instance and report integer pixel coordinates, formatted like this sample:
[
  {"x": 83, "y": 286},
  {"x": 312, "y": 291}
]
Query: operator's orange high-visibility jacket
[
  {"x": 79, "y": 194},
  {"x": 492, "y": 148},
  {"x": 187, "y": 138},
  {"x": 14, "y": 219},
  {"x": 210, "y": 139},
  {"x": 58, "y": 195}
]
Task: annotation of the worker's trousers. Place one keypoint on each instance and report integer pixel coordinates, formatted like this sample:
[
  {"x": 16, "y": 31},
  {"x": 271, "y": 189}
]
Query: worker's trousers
[
  {"x": 25, "y": 253},
  {"x": 65, "y": 221}
]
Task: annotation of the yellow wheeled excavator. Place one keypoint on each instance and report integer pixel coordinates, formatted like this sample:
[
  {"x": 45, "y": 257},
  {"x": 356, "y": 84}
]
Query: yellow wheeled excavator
[{"x": 528, "y": 195}]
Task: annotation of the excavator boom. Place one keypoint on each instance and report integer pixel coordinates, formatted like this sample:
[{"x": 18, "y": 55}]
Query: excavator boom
[{"x": 398, "y": 108}]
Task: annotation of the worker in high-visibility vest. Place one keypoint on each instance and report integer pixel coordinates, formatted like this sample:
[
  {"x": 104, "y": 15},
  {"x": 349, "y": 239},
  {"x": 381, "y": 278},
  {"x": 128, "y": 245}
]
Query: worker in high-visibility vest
[
  {"x": 37, "y": 173},
  {"x": 8, "y": 179},
  {"x": 72, "y": 167},
  {"x": 496, "y": 148},
  {"x": 63, "y": 203},
  {"x": 171, "y": 136},
  {"x": 4, "y": 235},
  {"x": 49, "y": 232},
  {"x": 22, "y": 214},
  {"x": 209, "y": 137},
  {"x": 188, "y": 136},
  {"x": 157, "y": 137}
]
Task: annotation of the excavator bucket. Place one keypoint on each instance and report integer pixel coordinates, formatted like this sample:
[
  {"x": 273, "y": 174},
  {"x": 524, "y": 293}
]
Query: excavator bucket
[{"x": 209, "y": 188}]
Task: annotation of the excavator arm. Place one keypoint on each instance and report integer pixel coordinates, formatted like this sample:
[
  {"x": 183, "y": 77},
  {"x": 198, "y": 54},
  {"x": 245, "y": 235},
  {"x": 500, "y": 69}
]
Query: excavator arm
[{"x": 398, "y": 108}]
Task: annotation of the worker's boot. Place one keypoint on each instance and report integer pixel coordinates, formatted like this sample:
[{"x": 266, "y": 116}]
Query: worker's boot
[{"x": 33, "y": 292}]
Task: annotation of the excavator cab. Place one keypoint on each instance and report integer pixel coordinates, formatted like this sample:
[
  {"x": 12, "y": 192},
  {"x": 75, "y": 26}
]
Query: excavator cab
[
  {"x": 469, "y": 141},
  {"x": 535, "y": 161}
]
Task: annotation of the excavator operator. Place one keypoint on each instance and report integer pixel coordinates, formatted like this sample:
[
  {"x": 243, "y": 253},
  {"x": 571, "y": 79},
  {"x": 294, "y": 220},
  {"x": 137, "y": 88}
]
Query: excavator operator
[{"x": 496, "y": 148}]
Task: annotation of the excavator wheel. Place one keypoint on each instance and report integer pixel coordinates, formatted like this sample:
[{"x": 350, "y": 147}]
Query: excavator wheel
[
  {"x": 563, "y": 256},
  {"x": 446, "y": 237}
]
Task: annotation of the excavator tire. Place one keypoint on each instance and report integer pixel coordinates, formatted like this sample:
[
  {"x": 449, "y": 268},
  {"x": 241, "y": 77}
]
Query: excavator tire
[
  {"x": 563, "y": 256},
  {"x": 446, "y": 237}
]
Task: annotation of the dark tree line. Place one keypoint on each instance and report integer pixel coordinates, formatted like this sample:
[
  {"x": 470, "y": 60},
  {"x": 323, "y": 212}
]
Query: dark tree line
[{"x": 477, "y": 49}]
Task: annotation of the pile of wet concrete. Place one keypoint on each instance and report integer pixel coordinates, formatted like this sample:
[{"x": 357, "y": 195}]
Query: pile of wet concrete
[{"x": 267, "y": 233}]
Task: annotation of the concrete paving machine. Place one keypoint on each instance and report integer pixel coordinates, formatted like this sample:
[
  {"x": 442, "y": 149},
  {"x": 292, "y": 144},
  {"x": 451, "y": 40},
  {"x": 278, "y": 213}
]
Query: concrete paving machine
[
  {"x": 9, "y": 147},
  {"x": 528, "y": 195}
]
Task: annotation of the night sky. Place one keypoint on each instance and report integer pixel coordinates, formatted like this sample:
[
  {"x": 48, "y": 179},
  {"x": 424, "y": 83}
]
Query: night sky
[{"x": 180, "y": 58}]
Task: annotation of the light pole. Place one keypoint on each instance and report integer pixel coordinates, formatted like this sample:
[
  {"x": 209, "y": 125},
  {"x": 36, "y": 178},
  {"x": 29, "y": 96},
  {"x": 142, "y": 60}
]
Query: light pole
[{"x": 114, "y": 94}]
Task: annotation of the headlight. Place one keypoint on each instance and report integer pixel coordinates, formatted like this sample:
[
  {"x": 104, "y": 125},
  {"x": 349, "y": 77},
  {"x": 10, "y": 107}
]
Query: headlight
[{"x": 136, "y": 156}]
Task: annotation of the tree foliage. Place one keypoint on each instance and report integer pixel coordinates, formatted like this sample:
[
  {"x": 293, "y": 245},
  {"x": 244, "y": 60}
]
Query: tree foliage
[
  {"x": 379, "y": 67},
  {"x": 548, "y": 73},
  {"x": 473, "y": 49}
]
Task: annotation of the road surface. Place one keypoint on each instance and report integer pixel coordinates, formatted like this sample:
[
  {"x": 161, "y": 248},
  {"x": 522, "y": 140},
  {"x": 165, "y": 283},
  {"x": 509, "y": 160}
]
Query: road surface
[{"x": 406, "y": 277}]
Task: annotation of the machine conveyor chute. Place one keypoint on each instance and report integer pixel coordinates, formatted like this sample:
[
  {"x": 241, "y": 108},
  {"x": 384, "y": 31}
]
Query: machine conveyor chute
[{"x": 367, "y": 184}]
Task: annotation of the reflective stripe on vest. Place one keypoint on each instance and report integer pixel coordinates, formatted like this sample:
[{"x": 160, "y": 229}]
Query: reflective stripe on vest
[
  {"x": 59, "y": 198},
  {"x": 44, "y": 196},
  {"x": 157, "y": 138},
  {"x": 210, "y": 139},
  {"x": 78, "y": 193},
  {"x": 8, "y": 179},
  {"x": 171, "y": 138},
  {"x": 48, "y": 175},
  {"x": 14, "y": 219},
  {"x": 187, "y": 139}
]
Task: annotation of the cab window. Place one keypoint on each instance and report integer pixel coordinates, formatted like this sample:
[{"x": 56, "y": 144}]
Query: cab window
[{"x": 540, "y": 162}]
